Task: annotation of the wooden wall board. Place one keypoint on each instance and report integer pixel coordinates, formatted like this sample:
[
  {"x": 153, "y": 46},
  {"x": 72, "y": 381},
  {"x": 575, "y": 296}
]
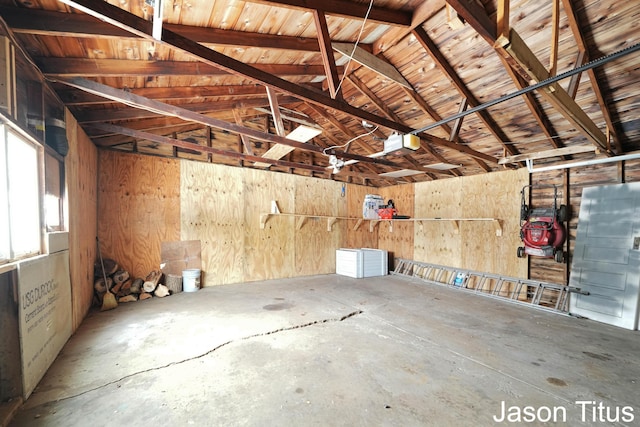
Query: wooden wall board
[
  {"x": 212, "y": 211},
  {"x": 578, "y": 179},
  {"x": 138, "y": 208},
  {"x": 269, "y": 252},
  {"x": 362, "y": 237},
  {"x": 435, "y": 241},
  {"x": 495, "y": 195},
  {"x": 315, "y": 247},
  {"x": 632, "y": 171},
  {"x": 398, "y": 240},
  {"x": 180, "y": 255},
  {"x": 81, "y": 165}
]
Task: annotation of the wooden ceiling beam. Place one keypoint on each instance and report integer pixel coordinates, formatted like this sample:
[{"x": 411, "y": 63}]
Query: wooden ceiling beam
[
  {"x": 534, "y": 106},
  {"x": 597, "y": 81},
  {"x": 523, "y": 60},
  {"x": 574, "y": 81},
  {"x": 360, "y": 86},
  {"x": 113, "y": 114},
  {"x": 141, "y": 27},
  {"x": 72, "y": 97},
  {"x": 243, "y": 138},
  {"x": 62, "y": 24},
  {"x": 455, "y": 135},
  {"x": 446, "y": 68},
  {"x": 473, "y": 13},
  {"x": 108, "y": 139},
  {"x": 82, "y": 67},
  {"x": 347, "y": 9},
  {"x": 371, "y": 61},
  {"x": 558, "y": 152},
  {"x": 328, "y": 60},
  {"x": 502, "y": 18},
  {"x": 348, "y": 133},
  {"x": 172, "y": 110},
  {"x": 371, "y": 96},
  {"x": 503, "y": 27},
  {"x": 555, "y": 34},
  {"x": 425, "y": 10},
  {"x": 203, "y": 148},
  {"x": 333, "y": 120},
  {"x": 275, "y": 111},
  {"x": 516, "y": 50},
  {"x": 426, "y": 108}
]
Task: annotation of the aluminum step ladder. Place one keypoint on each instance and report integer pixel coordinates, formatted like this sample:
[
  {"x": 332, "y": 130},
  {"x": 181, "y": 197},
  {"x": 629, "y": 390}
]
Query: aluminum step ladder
[{"x": 534, "y": 293}]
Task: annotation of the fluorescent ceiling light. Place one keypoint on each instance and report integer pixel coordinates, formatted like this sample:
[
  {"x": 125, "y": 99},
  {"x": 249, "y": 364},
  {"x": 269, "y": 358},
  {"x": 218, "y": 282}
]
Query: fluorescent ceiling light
[
  {"x": 442, "y": 166},
  {"x": 401, "y": 173}
]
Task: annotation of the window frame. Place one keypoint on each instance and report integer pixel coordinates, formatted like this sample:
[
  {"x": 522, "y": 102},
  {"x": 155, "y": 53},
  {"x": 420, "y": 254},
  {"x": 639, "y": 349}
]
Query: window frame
[{"x": 8, "y": 126}]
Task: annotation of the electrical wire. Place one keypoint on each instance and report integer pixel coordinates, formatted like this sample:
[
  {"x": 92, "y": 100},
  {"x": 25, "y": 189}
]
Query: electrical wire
[
  {"x": 349, "y": 141},
  {"x": 353, "y": 52}
]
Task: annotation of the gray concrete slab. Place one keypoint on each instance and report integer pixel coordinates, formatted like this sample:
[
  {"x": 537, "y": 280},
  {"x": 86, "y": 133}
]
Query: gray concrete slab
[{"x": 331, "y": 350}]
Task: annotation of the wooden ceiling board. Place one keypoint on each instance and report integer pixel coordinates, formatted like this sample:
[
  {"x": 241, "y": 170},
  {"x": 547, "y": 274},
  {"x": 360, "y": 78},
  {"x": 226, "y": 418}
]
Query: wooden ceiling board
[{"x": 606, "y": 27}]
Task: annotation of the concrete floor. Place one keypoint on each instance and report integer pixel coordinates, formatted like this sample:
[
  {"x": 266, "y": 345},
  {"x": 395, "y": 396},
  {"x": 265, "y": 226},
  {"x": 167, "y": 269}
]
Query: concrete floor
[{"x": 331, "y": 350}]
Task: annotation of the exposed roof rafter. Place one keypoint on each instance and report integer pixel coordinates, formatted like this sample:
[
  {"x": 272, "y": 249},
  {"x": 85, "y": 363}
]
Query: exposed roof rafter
[
  {"x": 346, "y": 9},
  {"x": 442, "y": 63},
  {"x": 172, "y": 110},
  {"x": 523, "y": 60}
]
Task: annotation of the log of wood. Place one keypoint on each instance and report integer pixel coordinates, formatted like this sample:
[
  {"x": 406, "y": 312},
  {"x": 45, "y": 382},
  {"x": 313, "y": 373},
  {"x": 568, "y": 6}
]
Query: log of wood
[
  {"x": 120, "y": 276},
  {"x": 100, "y": 287},
  {"x": 144, "y": 296},
  {"x": 173, "y": 282},
  {"x": 136, "y": 286},
  {"x": 126, "y": 287},
  {"x": 128, "y": 298},
  {"x": 151, "y": 281},
  {"x": 161, "y": 291},
  {"x": 116, "y": 288},
  {"x": 110, "y": 267}
]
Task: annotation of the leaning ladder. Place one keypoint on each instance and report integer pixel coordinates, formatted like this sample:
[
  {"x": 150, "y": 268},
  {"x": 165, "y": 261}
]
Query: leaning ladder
[{"x": 543, "y": 295}]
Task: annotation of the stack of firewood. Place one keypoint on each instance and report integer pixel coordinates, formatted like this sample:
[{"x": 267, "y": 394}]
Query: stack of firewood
[{"x": 123, "y": 286}]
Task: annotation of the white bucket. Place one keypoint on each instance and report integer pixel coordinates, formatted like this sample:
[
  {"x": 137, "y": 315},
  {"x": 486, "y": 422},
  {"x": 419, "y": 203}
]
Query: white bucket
[{"x": 191, "y": 280}]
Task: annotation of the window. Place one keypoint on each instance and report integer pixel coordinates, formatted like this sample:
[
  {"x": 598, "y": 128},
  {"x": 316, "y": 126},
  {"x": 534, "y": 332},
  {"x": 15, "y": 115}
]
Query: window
[
  {"x": 20, "y": 231},
  {"x": 53, "y": 192}
]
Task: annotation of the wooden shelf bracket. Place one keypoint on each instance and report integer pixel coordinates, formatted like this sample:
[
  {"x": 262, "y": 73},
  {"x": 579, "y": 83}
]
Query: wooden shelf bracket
[{"x": 263, "y": 220}]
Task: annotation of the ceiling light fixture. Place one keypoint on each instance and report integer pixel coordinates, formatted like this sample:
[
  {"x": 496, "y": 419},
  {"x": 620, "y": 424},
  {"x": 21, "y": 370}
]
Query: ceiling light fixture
[{"x": 336, "y": 163}]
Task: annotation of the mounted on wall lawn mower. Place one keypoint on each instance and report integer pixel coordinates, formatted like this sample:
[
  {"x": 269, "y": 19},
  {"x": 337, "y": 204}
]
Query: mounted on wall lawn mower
[{"x": 541, "y": 229}]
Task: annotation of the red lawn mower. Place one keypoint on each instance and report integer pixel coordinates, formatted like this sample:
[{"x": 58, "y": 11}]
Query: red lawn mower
[{"x": 541, "y": 229}]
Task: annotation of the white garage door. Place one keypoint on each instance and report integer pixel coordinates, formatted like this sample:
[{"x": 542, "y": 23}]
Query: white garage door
[{"x": 606, "y": 259}]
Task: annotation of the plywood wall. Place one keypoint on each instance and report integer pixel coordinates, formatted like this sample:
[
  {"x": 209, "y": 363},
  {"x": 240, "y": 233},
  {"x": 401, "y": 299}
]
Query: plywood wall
[
  {"x": 476, "y": 245},
  {"x": 495, "y": 195},
  {"x": 315, "y": 246},
  {"x": 397, "y": 238},
  {"x": 436, "y": 241},
  {"x": 212, "y": 211},
  {"x": 81, "y": 165},
  {"x": 362, "y": 237},
  {"x": 222, "y": 205},
  {"x": 138, "y": 208}
]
